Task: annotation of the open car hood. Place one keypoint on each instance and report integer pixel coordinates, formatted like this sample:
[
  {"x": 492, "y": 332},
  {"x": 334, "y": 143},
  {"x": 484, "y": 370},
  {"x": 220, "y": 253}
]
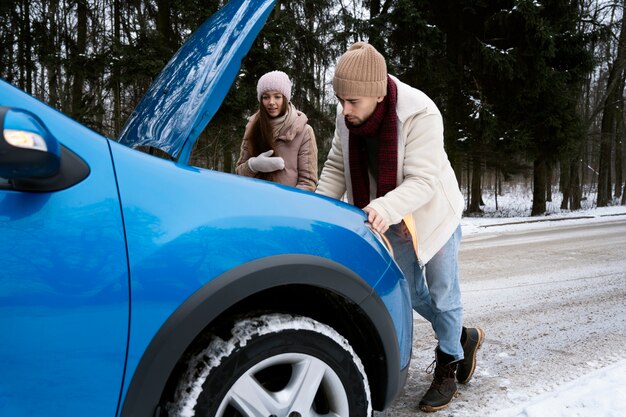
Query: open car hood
[{"x": 189, "y": 90}]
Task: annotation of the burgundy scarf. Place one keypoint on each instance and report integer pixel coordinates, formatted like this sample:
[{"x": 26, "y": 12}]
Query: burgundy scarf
[{"x": 381, "y": 125}]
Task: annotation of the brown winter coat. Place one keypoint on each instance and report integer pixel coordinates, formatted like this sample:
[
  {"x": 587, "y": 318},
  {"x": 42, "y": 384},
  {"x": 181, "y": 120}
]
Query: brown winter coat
[{"x": 295, "y": 143}]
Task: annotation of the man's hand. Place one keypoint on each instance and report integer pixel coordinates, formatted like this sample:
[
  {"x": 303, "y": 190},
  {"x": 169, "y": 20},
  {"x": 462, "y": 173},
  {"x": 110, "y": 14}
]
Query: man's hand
[{"x": 376, "y": 220}]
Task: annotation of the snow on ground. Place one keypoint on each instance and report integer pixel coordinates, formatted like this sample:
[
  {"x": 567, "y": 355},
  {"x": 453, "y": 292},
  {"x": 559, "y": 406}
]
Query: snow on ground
[
  {"x": 486, "y": 225},
  {"x": 514, "y": 214},
  {"x": 601, "y": 393}
]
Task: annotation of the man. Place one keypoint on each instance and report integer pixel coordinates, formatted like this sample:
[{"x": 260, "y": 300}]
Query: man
[{"x": 388, "y": 158}]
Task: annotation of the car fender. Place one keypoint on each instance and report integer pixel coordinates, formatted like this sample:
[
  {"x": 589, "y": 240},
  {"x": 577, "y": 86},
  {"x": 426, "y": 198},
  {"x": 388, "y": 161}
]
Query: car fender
[{"x": 206, "y": 304}]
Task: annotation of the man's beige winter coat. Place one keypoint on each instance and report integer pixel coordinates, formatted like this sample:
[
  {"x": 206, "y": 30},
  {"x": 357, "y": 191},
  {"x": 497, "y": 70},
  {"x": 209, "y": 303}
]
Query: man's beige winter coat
[
  {"x": 427, "y": 195},
  {"x": 295, "y": 143}
]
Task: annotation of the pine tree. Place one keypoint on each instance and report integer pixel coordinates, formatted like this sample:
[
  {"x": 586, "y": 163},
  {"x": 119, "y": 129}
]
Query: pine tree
[{"x": 537, "y": 94}]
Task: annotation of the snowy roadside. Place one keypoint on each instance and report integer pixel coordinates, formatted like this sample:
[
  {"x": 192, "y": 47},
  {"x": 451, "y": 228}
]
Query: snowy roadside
[
  {"x": 601, "y": 393},
  {"x": 473, "y": 226}
]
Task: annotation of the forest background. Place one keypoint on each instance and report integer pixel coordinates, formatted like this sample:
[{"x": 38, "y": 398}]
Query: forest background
[{"x": 530, "y": 90}]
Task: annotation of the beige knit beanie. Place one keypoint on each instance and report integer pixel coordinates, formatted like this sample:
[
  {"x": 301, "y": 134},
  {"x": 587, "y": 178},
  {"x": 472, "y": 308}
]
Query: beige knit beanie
[{"x": 361, "y": 71}]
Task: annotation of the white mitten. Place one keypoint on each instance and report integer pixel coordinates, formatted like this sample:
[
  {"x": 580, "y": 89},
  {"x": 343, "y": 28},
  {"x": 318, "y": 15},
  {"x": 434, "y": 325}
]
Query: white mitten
[{"x": 266, "y": 163}]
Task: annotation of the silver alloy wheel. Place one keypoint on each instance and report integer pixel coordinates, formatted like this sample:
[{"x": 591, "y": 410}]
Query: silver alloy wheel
[
  {"x": 274, "y": 365},
  {"x": 308, "y": 377}
]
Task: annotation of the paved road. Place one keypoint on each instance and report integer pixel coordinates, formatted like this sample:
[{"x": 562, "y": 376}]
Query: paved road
[{"x": 553, "y": 305}]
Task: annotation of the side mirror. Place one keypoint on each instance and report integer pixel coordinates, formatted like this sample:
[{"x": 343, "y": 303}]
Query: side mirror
[{"x": 27, "y": 148}]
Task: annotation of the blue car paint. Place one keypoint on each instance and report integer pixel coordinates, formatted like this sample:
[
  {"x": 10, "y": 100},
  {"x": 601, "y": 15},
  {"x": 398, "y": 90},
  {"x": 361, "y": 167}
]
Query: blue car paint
[
  {"x": 189, "y": 90},
  {"x": 184, "y": 226},
  {"x": 64, "y": 299},
  {"x": 218, "y": 228},
  {"x": 148, "y": 233},
  {"x": 179, "y": 221}
]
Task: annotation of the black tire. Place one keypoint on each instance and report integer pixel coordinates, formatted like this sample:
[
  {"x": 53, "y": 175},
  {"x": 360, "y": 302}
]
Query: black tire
[{"x": 275, "y": 365}]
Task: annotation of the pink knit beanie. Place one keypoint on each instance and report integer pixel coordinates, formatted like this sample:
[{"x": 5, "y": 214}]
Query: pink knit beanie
[
  {"x": 361, "y": 71},
  {"x": 274, "y": 81}
]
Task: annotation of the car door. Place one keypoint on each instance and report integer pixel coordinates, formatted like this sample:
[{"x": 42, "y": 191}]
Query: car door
[{"x": 64, "y": 296}]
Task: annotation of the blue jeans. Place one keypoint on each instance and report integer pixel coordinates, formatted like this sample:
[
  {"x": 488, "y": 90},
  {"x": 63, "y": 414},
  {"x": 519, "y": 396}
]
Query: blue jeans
[{"x": 435, "y": 290}]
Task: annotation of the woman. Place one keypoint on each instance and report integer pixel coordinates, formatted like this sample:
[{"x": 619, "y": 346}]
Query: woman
[{"x": 278, "y": 144}]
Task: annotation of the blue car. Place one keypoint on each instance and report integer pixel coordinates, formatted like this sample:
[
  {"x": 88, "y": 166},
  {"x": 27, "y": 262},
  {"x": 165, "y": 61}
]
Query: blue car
[{"x": 133, "y": 285}]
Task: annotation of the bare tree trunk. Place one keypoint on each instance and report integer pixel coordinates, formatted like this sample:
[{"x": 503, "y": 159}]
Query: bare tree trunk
[
  {"x": 575, "y": 186},
  {"x": 565, "y": 182},
  {"x": 28, "y": 46},
  {"x": 572, "y": 192},
  {"x": 496, "y": 188},
  {"x": 78, "y": 60},
  {"x": 164, "y": 23},
  {"x": 52, "y": 68},
  {"x": 373, "y": 33},
  {"x": 549, "y": 175},
  {"x": 606, "y": 144},
  {"x": 228, "y": 159},
  {"x": 623, "y": 202},
  {"x": 618, "y": 167},
  {"x": 469, "y": 181},
  {"x": 21, "y": 53},
  {"x": 117, "y": 87},
  {"x": 539, "y": 187},
  {"x": 610, "y": 116},
  {"x": 21, "y": 17},
  {"x": 476, "y": 190},
  {"x": 619, "y": 135}
]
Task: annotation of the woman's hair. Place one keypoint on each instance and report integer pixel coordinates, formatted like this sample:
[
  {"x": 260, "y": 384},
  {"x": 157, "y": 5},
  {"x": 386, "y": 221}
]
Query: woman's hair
[{"x": 262, "y": 133}]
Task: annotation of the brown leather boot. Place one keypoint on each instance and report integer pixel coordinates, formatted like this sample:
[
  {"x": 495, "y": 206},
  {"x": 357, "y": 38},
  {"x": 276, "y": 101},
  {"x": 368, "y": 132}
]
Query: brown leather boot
[
  {"x": 471, "y": 340},
  {"x": 443, "y": 387}
]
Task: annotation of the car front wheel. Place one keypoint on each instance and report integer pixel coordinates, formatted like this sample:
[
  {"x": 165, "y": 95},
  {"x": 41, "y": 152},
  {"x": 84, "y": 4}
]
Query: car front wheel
[{"x": 275, "y": 365}]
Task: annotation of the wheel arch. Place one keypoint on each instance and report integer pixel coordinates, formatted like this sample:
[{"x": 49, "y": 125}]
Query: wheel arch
[{"x": 301, "y": 284}]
